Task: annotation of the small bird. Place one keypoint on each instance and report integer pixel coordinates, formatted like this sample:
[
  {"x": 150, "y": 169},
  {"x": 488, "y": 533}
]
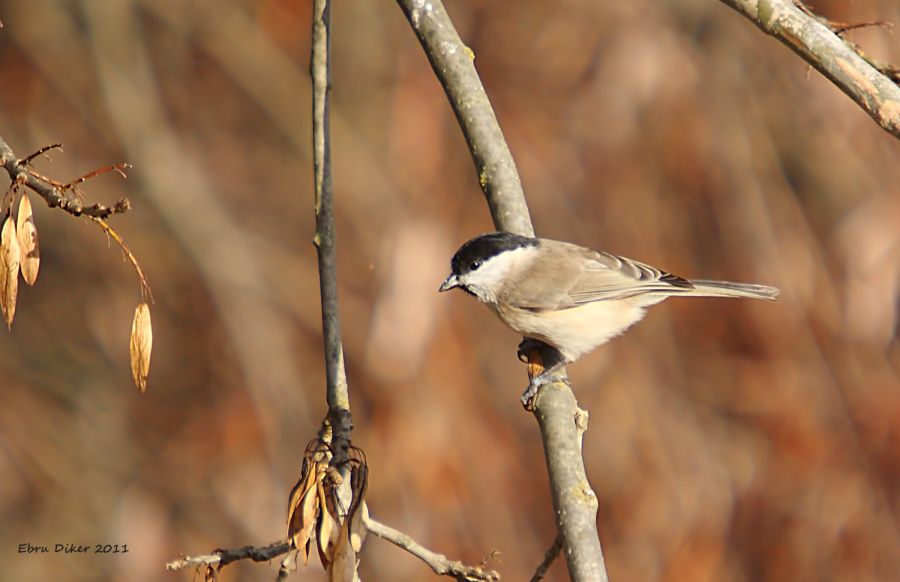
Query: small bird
[{"x": 570, "y": 297}]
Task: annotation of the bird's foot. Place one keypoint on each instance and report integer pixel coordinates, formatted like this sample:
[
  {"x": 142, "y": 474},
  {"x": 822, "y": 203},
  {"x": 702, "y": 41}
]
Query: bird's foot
[
  {"x": 538, "y": 382},
  {"x": 527, "y": 346}
]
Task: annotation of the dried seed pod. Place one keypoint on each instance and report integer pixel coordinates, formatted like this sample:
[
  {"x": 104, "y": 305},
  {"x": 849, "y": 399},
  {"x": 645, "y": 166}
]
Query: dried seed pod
[
  {"x": 141, "y": 345},
  {"x": 9, "y": 270},
  {"x": 303, "y": 507},
  {"x": 327, "y": 533},
  {"x": 26, "y": 233}
]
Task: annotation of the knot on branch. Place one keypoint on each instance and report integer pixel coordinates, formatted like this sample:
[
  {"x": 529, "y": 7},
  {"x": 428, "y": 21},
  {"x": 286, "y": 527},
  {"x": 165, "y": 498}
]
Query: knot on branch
[{"x": 341, "y": 422}]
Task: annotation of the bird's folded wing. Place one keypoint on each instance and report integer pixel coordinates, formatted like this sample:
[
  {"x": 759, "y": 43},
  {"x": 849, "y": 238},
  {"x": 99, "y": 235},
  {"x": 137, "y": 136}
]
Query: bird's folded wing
[
  {"x": 599, "y": 277},
  {"x": 612, "y": 277}
]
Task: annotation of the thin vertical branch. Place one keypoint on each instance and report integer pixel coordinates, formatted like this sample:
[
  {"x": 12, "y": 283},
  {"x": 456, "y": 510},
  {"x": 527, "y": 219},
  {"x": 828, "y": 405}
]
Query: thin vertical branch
[
  {"x": 335, "y": 375},
  {"x": 560, "y": 420}
]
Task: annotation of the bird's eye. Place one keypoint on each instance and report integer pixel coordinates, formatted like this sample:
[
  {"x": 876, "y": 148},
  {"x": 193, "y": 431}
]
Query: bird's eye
[{"x": 474, "y": 265}]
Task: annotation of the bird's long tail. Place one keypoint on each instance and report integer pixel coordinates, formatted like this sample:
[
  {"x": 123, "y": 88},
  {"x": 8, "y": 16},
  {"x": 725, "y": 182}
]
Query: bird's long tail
[{"x": 728, "y": 289}]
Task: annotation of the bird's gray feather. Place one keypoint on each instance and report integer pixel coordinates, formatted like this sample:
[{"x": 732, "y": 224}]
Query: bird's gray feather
[{"x": 556, "y": 281}]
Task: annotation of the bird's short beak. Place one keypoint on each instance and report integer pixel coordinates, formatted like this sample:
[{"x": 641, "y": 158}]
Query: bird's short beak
[{"x": 449, "y": 283}]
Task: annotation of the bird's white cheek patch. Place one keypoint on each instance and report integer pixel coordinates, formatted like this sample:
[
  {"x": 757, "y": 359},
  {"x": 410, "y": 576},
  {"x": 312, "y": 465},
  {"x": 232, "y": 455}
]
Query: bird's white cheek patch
[{"x": 489, "y": 279}]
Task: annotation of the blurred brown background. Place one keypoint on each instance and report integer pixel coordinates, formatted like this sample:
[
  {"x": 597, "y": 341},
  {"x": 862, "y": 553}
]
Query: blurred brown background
[{"x": 729, "y": 440}]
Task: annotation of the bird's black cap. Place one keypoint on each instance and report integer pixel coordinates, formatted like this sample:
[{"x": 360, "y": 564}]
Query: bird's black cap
[{"x": 486, "y": 246}]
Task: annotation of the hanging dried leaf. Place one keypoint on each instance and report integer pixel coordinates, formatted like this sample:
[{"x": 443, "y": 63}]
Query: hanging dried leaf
[
  {"x": 298, "y": 494},
  {"x": 26, "y": 233},
  {"x": 9, "y": 270},
  {"x": 347, "y": 541},
  {"x": 329, "y": 525},
  {"x": 141, "y": 345},
  {"x": 303, "y": 508},
  {"x": 344, "y": 564},
  {"x": 359, "y": 511},
  {"x": 358, "y": 527}
]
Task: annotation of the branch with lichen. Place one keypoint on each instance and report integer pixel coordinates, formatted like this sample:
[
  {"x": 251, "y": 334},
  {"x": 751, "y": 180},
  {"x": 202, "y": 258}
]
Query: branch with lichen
[
  {"x": 554, "y": 406},
  {"x": 871, "y": 84}
]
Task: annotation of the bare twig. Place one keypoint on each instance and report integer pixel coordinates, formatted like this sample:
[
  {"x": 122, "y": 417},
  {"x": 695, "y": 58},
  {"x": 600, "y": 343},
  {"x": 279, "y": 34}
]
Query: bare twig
[
  {"x": 335, "y": 375},
  {"x": 43, "y": 150},
  {"x": 338, "y": 423},
  {"x": 342, "y": 564},
  {"x": 146, "y": 293},
  {"x": 549, "y": 558},
  {"x": 842, "y": 27},
  {"x": 221, "y": 558},
  {"x": 437, "y": 562},
  {"x": 555, "y": 407},
  {"x": 54, "y": 193},
  {"x": 873, "y": 86},
  {"x": 117, "y": 168}
]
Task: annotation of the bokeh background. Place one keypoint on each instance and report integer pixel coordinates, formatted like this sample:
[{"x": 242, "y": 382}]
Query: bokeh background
[{"x": 728, "y": 440}]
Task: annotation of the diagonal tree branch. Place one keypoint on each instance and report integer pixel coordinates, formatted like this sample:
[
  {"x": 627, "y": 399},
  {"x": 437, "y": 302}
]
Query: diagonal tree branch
[
  {"x": 439, "y": 563},
  {"x": 555, "y": 406},
  {"x": 551, "y": 555},
  {"x": 831, "y": 55},
  {"x": 452, "y": 63}
]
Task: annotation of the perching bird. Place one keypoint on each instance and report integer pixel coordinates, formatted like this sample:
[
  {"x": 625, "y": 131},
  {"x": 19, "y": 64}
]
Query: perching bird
[{"x": 567, "y": 296}]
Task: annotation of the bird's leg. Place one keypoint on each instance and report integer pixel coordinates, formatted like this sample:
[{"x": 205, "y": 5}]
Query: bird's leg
[
  {"x": 542, "y": 379},
  {"x": 535, "y": 354}
]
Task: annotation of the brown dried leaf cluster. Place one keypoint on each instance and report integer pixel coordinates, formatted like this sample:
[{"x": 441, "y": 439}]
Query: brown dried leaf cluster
[
  {"x": 141, "y": 345},
  {"x": 314, "y": 508},
  {"x": 19, "y": 251}
]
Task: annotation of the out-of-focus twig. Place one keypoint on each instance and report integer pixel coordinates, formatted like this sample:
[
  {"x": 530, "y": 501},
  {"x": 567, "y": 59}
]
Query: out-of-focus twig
[
  {"x": 555, "y": 407},
  {"x": 441, "y": 565},
  {"x": 549, "y": 558},
  {"x": 871, "y": 85},
  {"x": 53, "y": 193}
]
